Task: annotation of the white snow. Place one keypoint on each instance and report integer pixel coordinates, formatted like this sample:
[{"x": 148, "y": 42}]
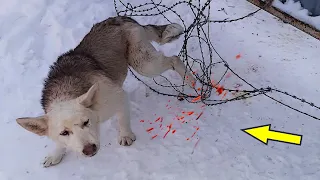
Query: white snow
[
  {"x": 297, "y": 11},
  {"x": 33, "y": 33}
]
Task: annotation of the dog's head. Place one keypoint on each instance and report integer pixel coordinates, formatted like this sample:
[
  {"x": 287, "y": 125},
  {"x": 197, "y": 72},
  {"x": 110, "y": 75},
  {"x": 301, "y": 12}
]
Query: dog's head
[{"x": 72, "y": 124}]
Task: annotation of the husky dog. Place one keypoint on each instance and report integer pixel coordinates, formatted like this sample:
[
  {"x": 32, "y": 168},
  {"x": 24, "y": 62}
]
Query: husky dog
[{"x": 84, "y": 85}]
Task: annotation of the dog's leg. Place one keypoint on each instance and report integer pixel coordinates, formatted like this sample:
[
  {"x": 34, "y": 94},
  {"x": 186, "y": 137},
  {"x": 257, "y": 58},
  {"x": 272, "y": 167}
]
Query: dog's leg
[
  {"x": 177, "y": 65},
  {"x": 55, "y": 157},
  {"x": 163, "y": 33},
  {"x": 146, "y": 60},
  {"x": 126, "y": 136},
  {"x": 149, "y": 62}
]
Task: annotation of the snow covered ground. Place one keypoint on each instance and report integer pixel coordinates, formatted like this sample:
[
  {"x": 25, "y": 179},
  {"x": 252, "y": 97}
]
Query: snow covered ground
[
  {"x": 33, "y": 33},
  {"x": 297, "y": 11}
]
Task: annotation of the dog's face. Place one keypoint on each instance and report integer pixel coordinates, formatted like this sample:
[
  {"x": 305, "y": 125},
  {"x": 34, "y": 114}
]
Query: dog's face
[
  {"x": 75, "y": 127},
  {"x": 71, "y": 124}
]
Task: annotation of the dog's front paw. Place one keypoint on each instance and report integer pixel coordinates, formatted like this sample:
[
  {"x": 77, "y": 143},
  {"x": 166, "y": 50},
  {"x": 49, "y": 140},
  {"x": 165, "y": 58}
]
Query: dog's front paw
[
  {"x": 126, "y": 139},
  {"x": 52, "y": 160}
]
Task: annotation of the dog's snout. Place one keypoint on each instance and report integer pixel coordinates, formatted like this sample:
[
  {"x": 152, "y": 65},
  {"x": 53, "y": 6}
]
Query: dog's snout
[{"x": 90, "y": 149}]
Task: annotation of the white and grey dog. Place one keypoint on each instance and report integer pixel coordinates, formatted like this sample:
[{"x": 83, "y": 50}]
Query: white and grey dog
[{"x": 84, "y": 85}]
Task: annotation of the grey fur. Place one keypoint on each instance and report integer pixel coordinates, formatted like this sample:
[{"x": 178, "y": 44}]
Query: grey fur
[{"x": 102, "y": 52}]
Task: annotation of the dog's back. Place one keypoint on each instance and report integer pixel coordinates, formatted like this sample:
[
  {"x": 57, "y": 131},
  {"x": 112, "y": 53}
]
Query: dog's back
[
  {"x": 107, "y": 44},
  {"x": 102, "y": 52}
]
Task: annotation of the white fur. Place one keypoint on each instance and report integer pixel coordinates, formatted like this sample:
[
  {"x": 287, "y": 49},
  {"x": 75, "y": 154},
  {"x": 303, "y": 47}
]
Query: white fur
[{"x": 107, "y": 102}]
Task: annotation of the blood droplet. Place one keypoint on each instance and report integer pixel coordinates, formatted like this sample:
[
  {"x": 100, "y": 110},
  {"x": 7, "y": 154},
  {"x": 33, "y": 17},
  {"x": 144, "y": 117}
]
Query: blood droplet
[
  {"x": 154, "y": 136},
  {"x": 196, "y": 99},
  {"x": 150, "y": 129}
]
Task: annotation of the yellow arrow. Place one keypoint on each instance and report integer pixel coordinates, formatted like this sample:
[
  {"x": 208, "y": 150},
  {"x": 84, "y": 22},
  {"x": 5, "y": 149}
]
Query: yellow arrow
[{"x": 264, "y": 134}]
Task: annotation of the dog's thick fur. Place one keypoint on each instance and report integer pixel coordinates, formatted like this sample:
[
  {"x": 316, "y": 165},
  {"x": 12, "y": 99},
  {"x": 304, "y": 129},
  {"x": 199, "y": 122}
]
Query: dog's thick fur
[{"x": 84, "y": 86}]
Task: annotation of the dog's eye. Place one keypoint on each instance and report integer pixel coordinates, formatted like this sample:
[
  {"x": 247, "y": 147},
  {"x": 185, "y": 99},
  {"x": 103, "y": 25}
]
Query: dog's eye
[
  {"x": 86, "y": 123},
  {"x": 64, "y": 133}
]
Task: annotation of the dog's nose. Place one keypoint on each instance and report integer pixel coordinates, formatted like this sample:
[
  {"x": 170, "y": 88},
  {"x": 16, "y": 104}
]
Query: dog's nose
[{"x": 89, "y": 149}]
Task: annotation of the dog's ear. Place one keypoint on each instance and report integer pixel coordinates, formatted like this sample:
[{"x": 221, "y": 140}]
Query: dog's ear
[
  {"x": 37, "y": 125},
  {"x": 87, "y": 99}
]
